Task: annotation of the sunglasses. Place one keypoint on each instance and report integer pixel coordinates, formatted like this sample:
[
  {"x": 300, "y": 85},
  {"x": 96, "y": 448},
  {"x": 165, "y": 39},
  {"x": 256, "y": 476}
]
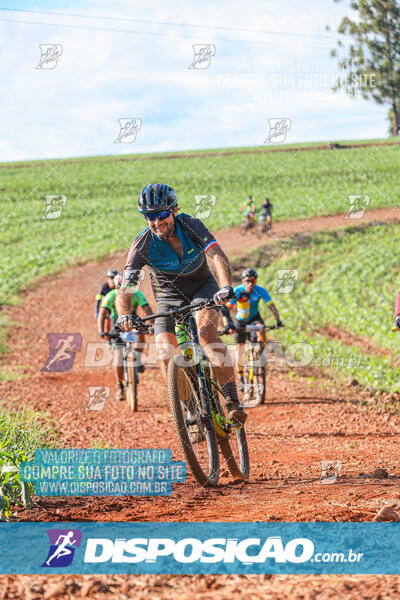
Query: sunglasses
[
  {"x": 161, "y": 215},
  {"x": 249, "y": 280}
]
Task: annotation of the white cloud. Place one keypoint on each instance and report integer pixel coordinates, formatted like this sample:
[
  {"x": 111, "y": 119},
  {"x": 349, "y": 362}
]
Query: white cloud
[{"x": 73, "y": 110}]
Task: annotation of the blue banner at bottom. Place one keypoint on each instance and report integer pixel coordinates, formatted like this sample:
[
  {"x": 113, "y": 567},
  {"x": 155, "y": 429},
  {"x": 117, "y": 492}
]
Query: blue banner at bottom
[{"x": 200, "y": 548}]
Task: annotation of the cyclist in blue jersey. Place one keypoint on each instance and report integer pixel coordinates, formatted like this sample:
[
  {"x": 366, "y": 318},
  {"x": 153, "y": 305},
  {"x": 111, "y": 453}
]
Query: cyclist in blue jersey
[
  {"x": 175, "y": 247},
  {"x": 247, "y": 297}
]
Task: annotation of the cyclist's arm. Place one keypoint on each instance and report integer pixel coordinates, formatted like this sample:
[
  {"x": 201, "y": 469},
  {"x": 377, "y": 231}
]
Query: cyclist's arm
[
  {"x": 99, "y": 298},
  {"x": 268, "y": 301},
  {"x": 274, "y": 310},
  {"x": 226, "y": 317},
  {"x": 103, "y": 320},
  {"x": 145, "y": 311},
  {"x": 137, "y": 259},
  {"x": 222, "y": 266}
]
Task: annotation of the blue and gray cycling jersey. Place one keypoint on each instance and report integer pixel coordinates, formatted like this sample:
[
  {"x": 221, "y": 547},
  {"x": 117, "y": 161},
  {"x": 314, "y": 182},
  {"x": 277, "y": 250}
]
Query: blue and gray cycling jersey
[
  {"x": 172, "y": 277},
  {"x": 247, "y": 304}
]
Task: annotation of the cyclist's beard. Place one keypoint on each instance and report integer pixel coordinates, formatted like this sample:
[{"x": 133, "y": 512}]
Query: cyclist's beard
[{"x": 168, "y": 233}]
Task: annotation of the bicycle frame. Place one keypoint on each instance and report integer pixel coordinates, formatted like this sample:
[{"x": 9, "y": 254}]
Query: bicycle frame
[
  {"x": 185, "y": 317},
  {"x": 199, "y": 366}
]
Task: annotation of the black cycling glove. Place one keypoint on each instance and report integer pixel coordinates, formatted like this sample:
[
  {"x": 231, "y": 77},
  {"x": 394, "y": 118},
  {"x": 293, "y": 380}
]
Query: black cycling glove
[{"x": 225, "y": 294}]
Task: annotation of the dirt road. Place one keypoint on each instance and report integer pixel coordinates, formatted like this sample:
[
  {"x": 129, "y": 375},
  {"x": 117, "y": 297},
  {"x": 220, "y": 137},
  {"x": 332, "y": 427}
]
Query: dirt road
[{"x": 307, "y": 418}]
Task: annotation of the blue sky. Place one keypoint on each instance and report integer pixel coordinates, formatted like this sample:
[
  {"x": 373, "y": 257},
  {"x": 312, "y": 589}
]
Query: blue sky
[{"x": 274, "y": 63}]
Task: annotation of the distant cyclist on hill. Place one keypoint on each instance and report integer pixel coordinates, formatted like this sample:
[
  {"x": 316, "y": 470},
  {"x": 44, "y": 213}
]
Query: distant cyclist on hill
[
  {"x": 245, "y": 303},
  {"x": 249, "y": 209},
  {"x": 105, "y": 288},
  {"x": 138, "y": 304},
  {"x": 175, "y": 247},
  {"x": 266, "y": 211}
]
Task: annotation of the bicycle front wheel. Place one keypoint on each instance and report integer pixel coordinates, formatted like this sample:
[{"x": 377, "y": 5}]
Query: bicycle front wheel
[
  {"x": 233, "y": 443},
  {"x": 196, "y": 436},
  {"x": 250, "y": 399},
  {"x": 131, "y": 385},
  {"x": 259, "y": 385}
]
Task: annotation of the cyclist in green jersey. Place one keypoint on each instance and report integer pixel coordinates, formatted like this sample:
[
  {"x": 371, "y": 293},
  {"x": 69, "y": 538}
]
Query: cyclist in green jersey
[
  {"x": 107, "y": 310},
  {"x": 249, "y": 209}
]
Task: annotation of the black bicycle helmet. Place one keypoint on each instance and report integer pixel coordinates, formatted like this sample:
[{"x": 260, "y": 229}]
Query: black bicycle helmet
[
  {"x": 155, "y": 197},
  {"x": 112, "y": 273},
  {"x": 249, "y": 273}
]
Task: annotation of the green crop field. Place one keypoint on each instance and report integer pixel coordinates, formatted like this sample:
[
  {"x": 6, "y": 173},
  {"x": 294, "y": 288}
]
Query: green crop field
[
  {"x": 349, "y": 280},
  {"x": 100, "y": 216},
  {"x": 346, "y": 279}
]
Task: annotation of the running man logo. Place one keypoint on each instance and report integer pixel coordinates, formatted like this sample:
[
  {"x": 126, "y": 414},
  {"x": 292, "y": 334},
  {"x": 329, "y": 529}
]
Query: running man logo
[
  {"x": 287, "y": 279},
  {"x": 63, "y": 543},
  {"x": 128, "y": 129},
  {"x": 203, "y": 54},
  {"x": 50, "y": 53},
  {"x": 278, "y": 129},
  {"x": 204, "y": 204},
  {"x": 357, "y": 205},
  {"x": 54, "y": 206},
  {"x": 62, "y": 349},
  {"x": 97, "y": 397}
]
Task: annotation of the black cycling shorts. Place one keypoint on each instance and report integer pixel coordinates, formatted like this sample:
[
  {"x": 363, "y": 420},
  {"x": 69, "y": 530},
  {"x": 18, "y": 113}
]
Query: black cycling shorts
[
  {"x": 205, "y": 292},
  {"x": 240, "y": 333}
]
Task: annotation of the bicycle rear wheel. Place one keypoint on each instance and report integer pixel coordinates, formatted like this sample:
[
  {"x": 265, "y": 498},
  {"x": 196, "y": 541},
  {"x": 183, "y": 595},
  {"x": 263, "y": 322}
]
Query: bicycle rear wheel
[
  {"x": 250, "y": 399},
  {"x": 132, "y": 384},
  {"x": 196, "y": 436},
  {"x": 233, "y": 444},
  {"x": 260, "y": 374},
  {"x": 259, "y": 385}
]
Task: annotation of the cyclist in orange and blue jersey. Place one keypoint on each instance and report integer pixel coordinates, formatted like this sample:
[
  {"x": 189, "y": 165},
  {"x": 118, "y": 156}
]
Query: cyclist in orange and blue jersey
[{"x": 247, "y": 297}]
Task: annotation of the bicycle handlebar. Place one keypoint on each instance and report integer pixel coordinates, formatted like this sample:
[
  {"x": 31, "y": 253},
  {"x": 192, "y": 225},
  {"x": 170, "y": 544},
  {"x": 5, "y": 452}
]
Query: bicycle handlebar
[
  {"x": 140, "y": 325},
  {"x": 186, "y": 309},
  {"x": 257, "y": 327}
]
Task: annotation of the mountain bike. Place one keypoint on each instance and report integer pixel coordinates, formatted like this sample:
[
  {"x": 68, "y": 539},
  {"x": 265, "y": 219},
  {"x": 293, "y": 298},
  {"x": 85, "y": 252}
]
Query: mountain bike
[
  {"x": 130, "y": 360},
  {"x": 198, "y": 406},
  {"x": 247, "y": 224},
  {"x": 262, "y": 226},
  {"x": 254, "y": 366}
]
